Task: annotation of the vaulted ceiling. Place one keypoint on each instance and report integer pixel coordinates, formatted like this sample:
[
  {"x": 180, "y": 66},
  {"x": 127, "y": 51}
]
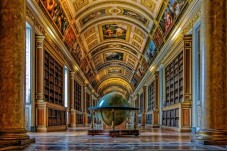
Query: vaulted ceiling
[{"x": 109, "y": 39}]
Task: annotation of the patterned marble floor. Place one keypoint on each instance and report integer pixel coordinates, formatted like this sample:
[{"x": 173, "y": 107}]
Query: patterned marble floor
[{"x": 149, "y": 139}]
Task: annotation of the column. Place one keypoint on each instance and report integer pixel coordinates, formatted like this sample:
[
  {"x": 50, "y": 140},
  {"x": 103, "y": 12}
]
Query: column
[
  {"x": 72, "y": 111},
  {"x": 85, "y": 106},
  {"x": 41, "y": 109},
  {"x": 12, "y": 73},
  {"x": 144, "y": 106},
  {"x": 155, "y": 114},
  {"x": 214, "y": 73}
]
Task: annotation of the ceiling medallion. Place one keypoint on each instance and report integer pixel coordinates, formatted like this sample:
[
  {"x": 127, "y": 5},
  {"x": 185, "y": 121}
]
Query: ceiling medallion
[{"x": 114, "y": 11}]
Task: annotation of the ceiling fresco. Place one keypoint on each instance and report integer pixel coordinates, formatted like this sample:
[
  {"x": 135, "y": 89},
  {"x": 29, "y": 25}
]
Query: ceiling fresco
[{"x": 114, "y": 41}]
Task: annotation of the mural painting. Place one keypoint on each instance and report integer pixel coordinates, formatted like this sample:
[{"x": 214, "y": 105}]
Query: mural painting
[
  {"x": 93, "y": 15},
  {"x": 114, "y": 56},
  {"x": 141, "y": 70},
  {"x": 86, "y": 68},
  {"x": 115, "y": 70},
  {"x": 151, "y": 52},
  {"x": 76, "y": 52},
  {"x": 135, "y": 16},
  {"x": 70, "y": 37},
  {"x": 158, "y": 39},
  {"x": 114, "y": 31},
  {"x": 55, "y": 11},
  {"x": 134, "y": 82},
  {"x": 96, "y": 51},
  {"x": 173, "y": 10}
]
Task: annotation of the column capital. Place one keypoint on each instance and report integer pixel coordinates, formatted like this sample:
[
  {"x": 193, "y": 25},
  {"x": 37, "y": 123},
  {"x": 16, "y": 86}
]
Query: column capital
[
  {"x": 72, "y": 74},
  {"x": 156, "y": 74},
  {"x": 39, "y": 37},
  {"x": 144, "y": 87}
]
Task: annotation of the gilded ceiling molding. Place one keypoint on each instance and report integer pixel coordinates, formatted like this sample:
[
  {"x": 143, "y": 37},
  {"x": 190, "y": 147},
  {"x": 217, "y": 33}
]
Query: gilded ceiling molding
[{"x": 140, "y": 8}]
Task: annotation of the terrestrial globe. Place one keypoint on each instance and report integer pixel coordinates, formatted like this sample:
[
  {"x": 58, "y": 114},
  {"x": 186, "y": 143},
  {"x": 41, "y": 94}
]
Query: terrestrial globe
[{"x": 113, "y": 99}]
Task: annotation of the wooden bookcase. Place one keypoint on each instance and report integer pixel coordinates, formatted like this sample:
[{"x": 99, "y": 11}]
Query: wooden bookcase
[
  {"x": 77, "y": 96},
  {"x": 79, "y": 118},
  {"x": 88, "y": 102},
  {"x": 174, "y": 81},
  {"x": 53, "y": 80},
  {"x": 56, "y": 117},
  {"x": 141, "y": 103},
  {"x": 171, "y": 118},
  {"x": 151, "y": 96},
  {"x": 149, "y": 119}
]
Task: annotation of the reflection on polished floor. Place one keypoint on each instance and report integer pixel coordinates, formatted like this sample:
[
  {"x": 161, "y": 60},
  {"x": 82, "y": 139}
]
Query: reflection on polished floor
[{"x": 149, "y": 139}]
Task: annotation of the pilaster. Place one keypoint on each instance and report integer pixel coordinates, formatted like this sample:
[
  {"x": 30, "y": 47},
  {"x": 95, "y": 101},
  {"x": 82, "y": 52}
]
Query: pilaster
[
  {"x": 155, "y": 115},
  {"x": 71, "y": 106}
]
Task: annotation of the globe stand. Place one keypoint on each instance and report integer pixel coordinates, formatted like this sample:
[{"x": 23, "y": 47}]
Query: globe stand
[
  {"x": 113, "y": 132},
  {"x": 113, "y": 109}
]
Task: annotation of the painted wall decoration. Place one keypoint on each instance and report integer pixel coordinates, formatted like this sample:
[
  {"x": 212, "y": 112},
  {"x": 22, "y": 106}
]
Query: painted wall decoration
[
  {"x": 150, "y": 52},
  {"x": 114, "y": 70},
  {"x": 70, "y": 37},
  {"x": 136, "y": 16},
  {"x": 114, "y": 56},
  {"x": 142, "y": 69},
  {"x": 104, "y": 65},
  {"x": 96, "y": 51},
  {"x": 86, "y": 68},
  {"x": 134, "y": 82},
  {"x": 93, "y": 15},
  {"x": 114, "y": 31},
  {"x": 56, "y": 13},
  {"x": 76, "y": 52},
  {"x": 158, "y": 39},
  {"x": 173, "y": 10},
  {"x": 78, "y": 4}
]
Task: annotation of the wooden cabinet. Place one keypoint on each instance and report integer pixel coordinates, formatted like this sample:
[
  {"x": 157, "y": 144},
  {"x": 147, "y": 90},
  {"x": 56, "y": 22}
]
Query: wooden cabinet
[
  {"x": 56, "y": 117},
  {"x": 171, "y": 118}
]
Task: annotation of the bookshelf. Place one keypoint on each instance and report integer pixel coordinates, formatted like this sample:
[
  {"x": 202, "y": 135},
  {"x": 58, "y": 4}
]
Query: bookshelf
[
  {"x": 174, "y": 81},
  {"x": 79, "y": 118},
  {"x": 77, "y": 96},
  {"x": 141, "y": 103},
  {"x": 56, "y": 117},
  {"x": 53, "y": 80},
  {"x": 151, "y": 96},
  {"x": 88, "y": 102},
  {"x": 171, "y": 118},
  {"x": 149, "y": 119}
]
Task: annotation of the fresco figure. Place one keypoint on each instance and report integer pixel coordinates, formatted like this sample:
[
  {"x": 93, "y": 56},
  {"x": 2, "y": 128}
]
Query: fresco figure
[
  {"x": 114, "y": 56},
  {"x": 173, "y": 10},
  {"x": 114, "y": 31},
  {"x": 53, "y": 7}
]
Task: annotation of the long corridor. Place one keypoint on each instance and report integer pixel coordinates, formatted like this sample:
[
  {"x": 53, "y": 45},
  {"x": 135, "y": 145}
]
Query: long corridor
[{"x": 149, "y": 139}]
